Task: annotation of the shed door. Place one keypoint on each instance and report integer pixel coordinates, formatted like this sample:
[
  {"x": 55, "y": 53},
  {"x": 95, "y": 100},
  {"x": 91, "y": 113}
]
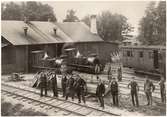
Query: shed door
[
  {"x": 36, "y": 58},
  {"x": 156, "y": 63}
]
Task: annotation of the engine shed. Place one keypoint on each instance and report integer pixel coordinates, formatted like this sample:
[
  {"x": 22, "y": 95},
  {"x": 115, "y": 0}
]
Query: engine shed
[{"x": 24, "y": 44}]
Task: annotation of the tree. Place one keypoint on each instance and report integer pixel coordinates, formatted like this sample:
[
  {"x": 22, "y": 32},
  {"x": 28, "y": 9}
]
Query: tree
[
  {"x": 86, "y": 20},
  {"x": 111, "y": 27},
  {"x": 70, "y": 17},
  {"x": 11, "y": 11},
  {"x": 34, "y": 11},
  {"x": 153, "y": 25}
]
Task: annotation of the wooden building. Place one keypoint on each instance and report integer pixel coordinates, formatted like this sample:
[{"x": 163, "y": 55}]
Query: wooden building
[{"x": 24, "y": 44}]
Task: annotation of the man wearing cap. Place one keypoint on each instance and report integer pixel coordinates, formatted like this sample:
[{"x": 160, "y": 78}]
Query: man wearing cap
[
  {"x": 70, "y": 87},
  {"x": 114, "y": 91},
  {"x": 43, "y": 83},
  {"x": 80, "y": 87},
  {"x": 162, "y": 89},
  {"x": 148, "y": 89},
  {"x": 100, "y": 90},
  {"x": 63, "y": 84},
  {"x": 54, "y": 84},
  {"x": 134, "y": 91}
]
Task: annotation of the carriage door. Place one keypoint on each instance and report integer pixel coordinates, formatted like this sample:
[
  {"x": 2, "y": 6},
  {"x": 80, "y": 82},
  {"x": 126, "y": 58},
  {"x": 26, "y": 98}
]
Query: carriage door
[{"x": 156, "y": 61}]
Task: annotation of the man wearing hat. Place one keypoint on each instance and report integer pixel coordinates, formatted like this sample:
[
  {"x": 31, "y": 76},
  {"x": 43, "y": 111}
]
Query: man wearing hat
[
  {"x": 148, "y": 89},
  {"x": 54, "y": 84},
  {"x": 70, "y": 87},
  {"x": 43, "y": 83},
  {"x": 114, "y": 91},
  {"x": 63, "y": 84},
  {"x": 134, "y": 91},
  {"x": 162, "y": 89},
  {"x": 100, "y": 90},
  {"x": 80, "y": 87}
]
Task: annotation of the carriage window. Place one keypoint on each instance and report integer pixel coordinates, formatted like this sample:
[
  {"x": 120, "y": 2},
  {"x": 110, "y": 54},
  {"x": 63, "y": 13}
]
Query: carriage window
[
  {"x": 129, "y": 54},
  {"x": 141, "y": 54}
]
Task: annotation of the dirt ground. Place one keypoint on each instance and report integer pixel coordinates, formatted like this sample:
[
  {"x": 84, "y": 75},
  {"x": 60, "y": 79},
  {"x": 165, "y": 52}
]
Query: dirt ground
[
  {"x": 157, "y": 109},
  {"x": 10, "y": 109}
]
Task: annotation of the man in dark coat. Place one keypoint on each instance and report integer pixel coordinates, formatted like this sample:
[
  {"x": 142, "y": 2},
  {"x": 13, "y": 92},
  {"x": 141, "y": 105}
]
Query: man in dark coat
[
  {"x": 43, "y": 84},
  {"x": 97, "y": 65},
  {"x": 70, "y": 88},
  {"x": 80, "y": 88},
  {"x": 114, "y": 91},
  {"x": 63, "y": 84},
  {"x": 162, "y": 90},
  {"x": 54, "y": 85},
  {"x": 148, "y": 89},
  {"x": 100, "y": 90},
  {"x": 134, "y": 92},
  {"x": 119, "y": 74}
]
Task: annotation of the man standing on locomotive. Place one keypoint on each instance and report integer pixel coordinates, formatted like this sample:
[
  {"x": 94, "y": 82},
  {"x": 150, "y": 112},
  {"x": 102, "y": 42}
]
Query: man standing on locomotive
[
  {"x": 80, "y": 88},
  {"x": 134, "y": 91},
  {"x": 100, "y": 90},
  {"x": 149, "y": 88},
  {"x": 97, "y": 65},
  {"x": 119, "y": 74},
  {"x": 43, "y": 83}
]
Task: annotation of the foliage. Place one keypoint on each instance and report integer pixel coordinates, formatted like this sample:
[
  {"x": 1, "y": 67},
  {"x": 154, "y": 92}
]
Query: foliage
[
  {"x": 153, "y": 25},
  {"x": 70, "y": 17},
  {"x": 34, "y": 11},
  {"x": 86, "y": 20},
  {"x": 111, "y": 27}
]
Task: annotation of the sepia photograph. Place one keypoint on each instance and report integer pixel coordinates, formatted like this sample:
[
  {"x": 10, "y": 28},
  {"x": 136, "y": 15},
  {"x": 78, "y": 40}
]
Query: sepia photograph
[{"x": 83, "y": 58}]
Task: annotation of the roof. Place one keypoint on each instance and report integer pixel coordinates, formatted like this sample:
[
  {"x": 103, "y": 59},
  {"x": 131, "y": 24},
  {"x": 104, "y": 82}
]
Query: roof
[
  {"x": 144, "y": 47},
  {"x": 14, "y": 33},
  {"x": 42, "y": 32},
  {"x": 78, "y": 31}
]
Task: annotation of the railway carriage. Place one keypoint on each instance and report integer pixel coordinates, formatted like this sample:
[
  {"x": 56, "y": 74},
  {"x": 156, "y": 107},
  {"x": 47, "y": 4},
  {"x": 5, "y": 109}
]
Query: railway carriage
[{"x": 145, "y": 58}]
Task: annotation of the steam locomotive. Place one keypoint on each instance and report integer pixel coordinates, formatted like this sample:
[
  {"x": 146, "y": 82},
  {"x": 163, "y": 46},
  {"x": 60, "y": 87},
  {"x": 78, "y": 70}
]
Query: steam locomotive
[{"x": 68, "y": 62}]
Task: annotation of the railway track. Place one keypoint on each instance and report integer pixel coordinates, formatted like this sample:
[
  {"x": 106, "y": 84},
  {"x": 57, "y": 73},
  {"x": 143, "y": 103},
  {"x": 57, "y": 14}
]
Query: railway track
[{"x": 53, "y": 103}]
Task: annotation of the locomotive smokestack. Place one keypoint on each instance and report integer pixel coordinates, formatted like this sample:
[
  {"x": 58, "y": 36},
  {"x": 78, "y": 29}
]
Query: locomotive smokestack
[{"x": 93, "y": 27}]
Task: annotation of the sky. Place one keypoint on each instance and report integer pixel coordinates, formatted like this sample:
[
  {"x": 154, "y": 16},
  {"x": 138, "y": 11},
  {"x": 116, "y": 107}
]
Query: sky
[{"x": 133, "y": 10}]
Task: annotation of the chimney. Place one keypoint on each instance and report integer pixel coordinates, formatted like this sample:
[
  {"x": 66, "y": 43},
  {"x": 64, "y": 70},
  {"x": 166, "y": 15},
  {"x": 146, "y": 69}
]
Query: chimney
[
  {"x": 93, "y": 27},
  {"x": 25, "y": 30},
  {"x": 55, "y": 30}
]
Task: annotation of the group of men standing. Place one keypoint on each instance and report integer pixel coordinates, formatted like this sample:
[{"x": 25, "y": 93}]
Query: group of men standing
[
  {"x": 71, "y": 84},
  {"x": 149, "y": 87}
]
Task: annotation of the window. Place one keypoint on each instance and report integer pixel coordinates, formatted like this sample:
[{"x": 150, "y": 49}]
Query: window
[
  {"x": 129, "y": 54},
  {"x": 141, "y": 54}
]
